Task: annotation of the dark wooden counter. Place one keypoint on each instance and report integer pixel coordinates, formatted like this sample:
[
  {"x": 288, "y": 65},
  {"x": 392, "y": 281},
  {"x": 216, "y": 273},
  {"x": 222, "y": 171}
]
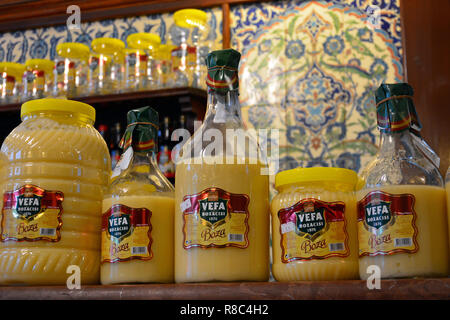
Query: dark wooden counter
[{"x": 353, "y": 290}]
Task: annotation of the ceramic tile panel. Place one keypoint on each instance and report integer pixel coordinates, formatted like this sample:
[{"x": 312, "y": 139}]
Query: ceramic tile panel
[
  {"x": 331, "y": 56},
  {"x": 41, "y": 43}
]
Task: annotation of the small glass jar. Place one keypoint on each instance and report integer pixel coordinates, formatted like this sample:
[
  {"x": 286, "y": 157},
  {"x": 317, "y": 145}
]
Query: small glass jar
[
  {"x": 191, "y": 36},
  {"x": 147, "y": 44},
  {"x": 38, "y": 78},
  {"x": 163, "y": 62},
  {"x": 101, "y": 79},
  {"x": 56, "y": 168},
  {"x": 71, "y": 69},
  {"x": 314, "y": 225},
  {"x": 11, "y": 82}
]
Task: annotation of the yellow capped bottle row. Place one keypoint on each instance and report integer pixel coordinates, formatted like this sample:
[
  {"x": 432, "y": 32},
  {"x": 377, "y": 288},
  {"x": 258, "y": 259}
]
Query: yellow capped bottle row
[
  {"x": 112, "y": 66},
  {"x": 63, "y": 207}
]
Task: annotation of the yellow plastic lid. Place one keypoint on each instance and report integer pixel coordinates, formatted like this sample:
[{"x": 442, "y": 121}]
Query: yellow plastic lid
[
  {"x": 40, "y": 64},
  {"x": 136, "y": 51},
  {"x": 107, "y": 45},
  {"x": 164, "y": 52},
  {"x": 190, "y": 18},
  {"x": 73, "y": 50},
  {"x": 52, "y": 104},
  {"x": 143, "y": 40},
  {"x": 316, "y": 174},
  {"x": 12, "y": 68}
]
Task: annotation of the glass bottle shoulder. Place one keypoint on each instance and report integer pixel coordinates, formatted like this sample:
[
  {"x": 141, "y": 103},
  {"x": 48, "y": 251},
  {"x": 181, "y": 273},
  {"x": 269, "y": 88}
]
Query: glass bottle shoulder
[
  {"x": 400, "y": 162},
  {"x": 141, "y": 178}
]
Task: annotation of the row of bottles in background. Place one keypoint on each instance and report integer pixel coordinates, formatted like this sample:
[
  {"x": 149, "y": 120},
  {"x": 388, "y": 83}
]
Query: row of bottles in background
[
  {"x": 113, "y": 134},
  {"x": 111, "y": 65}
]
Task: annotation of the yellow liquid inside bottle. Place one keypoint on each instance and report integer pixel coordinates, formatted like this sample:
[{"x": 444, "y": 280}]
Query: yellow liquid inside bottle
[
  {"x": 56, "y": 154},
  {"x": 432, "y": 258},
  {"x": 331, "y": 268},
  {"x": 228, "y": 263},
  {"x": 160, "y": 267}
]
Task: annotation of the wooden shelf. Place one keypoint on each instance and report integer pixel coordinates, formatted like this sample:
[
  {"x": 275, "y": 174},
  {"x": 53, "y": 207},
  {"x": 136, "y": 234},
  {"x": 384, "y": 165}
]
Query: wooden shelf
[
  {"x": 342, "y": 290},
  {"x": 113, "y": 108},
  {"x": 127, "y": 96}
]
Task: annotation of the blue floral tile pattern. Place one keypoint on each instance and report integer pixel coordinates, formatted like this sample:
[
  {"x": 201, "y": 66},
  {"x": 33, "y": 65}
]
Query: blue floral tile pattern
[
  {"x": 318, "y": 62},
  {"x": 41, "y": 43}
]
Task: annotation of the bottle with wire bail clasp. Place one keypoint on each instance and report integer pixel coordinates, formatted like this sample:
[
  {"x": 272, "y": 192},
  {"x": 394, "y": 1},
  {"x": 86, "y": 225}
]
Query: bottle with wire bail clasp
[
  {"x": 221, "y": 191},
  {"x": 137, "y": 221},
  {"x": 402, "y": 223}
]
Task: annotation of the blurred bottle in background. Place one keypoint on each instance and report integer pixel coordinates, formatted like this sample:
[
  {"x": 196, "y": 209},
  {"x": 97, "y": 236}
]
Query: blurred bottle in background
[
  {"x": 114, "y": 149},
  {"x": 164, "y": 157}
]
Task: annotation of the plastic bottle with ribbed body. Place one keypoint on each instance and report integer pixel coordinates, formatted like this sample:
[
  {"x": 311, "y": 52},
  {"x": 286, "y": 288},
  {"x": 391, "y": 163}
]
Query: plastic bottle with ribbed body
[
  {"x": 402, "y": 223},
  {"x": 56, "y": 169}
]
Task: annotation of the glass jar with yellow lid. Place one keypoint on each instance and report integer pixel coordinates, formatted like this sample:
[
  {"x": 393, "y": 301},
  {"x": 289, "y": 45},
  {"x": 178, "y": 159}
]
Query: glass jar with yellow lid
[
  {"x": 314, "y": 225},
  {"x": 11, "y": 82},
  {"x": 38, "y": 78},
  {"x": 101, "y": 77},
  {"x": 190, "y": 34},
  {"x": 163, "y": 61},
  {"x": 71, "y": 69},
  {"x": 140, "y": 65},
  {"x": 53, "y": 191}
]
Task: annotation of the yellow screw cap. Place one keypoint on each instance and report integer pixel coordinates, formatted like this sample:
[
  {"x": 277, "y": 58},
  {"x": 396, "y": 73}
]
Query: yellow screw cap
[
  {"x": 164, "y": 52},
  {"x": 144, "y": 41},
  {"x": 40, "y": 64},
  {"x": 107, "y": 45},
  {"x": 12, "y": 68},
  {"x": 58, "y": 105},
  {"x": 73, "y": 50},
  {"x": 190, "y": 18},
  {"x": 316, "y": 174}
]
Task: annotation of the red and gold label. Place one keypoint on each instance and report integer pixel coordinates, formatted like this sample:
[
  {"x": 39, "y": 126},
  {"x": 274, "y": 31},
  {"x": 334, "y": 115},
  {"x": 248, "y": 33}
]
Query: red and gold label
[
  {"x": 183, "y": 57},
  {"x": 138, "y": 63},
  {"x": 126, "y": 234},
  {"x": 31, "y": 213},
  {"x": 215, "y": 218},
  {"x": 313, "y": 229},
  {"x": 387, "y": 224},
  {"x": 8, "y": 83}
]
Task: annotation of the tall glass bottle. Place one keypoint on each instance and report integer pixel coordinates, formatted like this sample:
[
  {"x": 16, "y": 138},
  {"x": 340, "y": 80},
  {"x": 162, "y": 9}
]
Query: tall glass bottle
[
  {"x": 221, "y": 195},
  {"x": 137, "y": 225},
  {"x": 402, "y": 225}
]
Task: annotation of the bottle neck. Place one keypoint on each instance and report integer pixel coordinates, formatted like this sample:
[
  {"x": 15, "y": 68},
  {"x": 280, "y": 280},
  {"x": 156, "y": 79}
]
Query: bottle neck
[
  {"x": 144, "y": 158},
  {"x": 397, "y": 145},
  {"x": 224, "y": 108}
]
